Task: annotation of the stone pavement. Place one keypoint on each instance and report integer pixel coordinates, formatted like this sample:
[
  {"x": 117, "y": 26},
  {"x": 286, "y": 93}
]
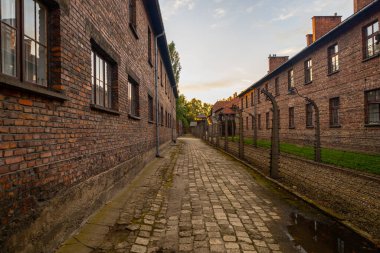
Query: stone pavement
[{"x": 195, "y": 199}]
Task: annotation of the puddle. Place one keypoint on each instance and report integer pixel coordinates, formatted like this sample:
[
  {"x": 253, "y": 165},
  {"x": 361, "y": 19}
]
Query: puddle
[{"x": 313, "y": 236}]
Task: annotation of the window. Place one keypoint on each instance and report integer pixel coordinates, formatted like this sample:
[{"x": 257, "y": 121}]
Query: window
[
  {"x": 101, "y": 81},
  {"x": 267, "y": 124},
  {"x": 334, "y": 112},
  {"x": 133, "y": 97},
  {"x": 162, "y": 116},
  {"x": 279, "y": 119},
  {"x": 251, "y": 98},
  {"x": 291, "y": 117},
  {"x": 253, "y": 122},
  {"x": 149, "y": 46},
  {"x": 277, "y": 86},
  {"x": 308, "y": 71},
  {"x": 246, "y": 101},
  {"x": 132, "y": 13},
  {"x": 24, "y": 46},
  {"x": 371, "y": 47},
  {"x": 333, "y": 56},
  {"x": 258, "y": 96},
  {"x": 246, "y": 121},
  {"x": 259, "y": 121},
  {"x": 290, "y": 79},
  {"x": 150, "y": 108},
  {"x": 373, "y": 107},
  {"x": 266, "y": 88},
  {"x": 242, "y": 102},
  {"x": 309, "y": 115},
  {"x": 161, "y": 74}
]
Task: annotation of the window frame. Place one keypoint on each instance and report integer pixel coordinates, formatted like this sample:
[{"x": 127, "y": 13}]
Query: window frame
[
  {"x": 132, "y": 19},
  {"x": 133, "y": 98},
  {"x": 291, "y": 83},
  {"x": 334, "y": 109},
  {"x": 292, "y": 124},
  {"x": 106, "y": 63},
  {"x": 277, "y": 86},
  {"x": 373, "y": 36},
  {"x": 308, "y": 71},
  {"x": 150, "y": 109},
  {"x": 333, "y": 57},
  {"x": 367, "y": 105},
  {"x": 267, "y": 120},
  {"x": 20, "y": 75},
  {"x": 309, "y": 115}
]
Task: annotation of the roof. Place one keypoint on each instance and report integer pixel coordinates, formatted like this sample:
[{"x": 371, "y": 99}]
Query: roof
[
  {"x": 339, "y": 29},
  {"x": 154, "y": 13},
  {"x": 225, "y": 106}
]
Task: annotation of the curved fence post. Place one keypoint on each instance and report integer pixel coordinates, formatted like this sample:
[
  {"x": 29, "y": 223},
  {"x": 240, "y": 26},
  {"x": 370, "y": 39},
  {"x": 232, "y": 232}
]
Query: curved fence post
[{"x": 275, "y": 144}]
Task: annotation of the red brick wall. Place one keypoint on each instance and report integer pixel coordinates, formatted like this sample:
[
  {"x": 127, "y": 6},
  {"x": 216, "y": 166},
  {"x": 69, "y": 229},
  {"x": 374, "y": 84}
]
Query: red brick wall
[
  {"x": 49, "y": 145},
  {"x": 354, "y": 78}
]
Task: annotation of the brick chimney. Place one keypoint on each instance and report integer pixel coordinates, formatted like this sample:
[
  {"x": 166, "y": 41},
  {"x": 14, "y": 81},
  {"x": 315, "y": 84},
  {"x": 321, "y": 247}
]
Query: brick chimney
[
  {"x": 324, "y": 24},
  {"x": 360, "y": 4},
  {"x": 276, "y": 61},
  {"x": 309, "y": 39}
]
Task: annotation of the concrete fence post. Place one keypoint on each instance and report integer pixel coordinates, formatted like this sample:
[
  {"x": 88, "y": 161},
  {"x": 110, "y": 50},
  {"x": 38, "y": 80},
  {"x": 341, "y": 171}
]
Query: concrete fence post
[
  {"x": 241, "y": 136},
  {"x": 225, "y": 132},
  {"x": 275, "y": 143}
]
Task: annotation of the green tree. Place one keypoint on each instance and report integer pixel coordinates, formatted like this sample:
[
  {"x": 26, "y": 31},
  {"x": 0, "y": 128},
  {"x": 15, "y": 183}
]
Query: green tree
[
  {"x": 182, "y": 111},
  {"x": 176, "y": 61}
]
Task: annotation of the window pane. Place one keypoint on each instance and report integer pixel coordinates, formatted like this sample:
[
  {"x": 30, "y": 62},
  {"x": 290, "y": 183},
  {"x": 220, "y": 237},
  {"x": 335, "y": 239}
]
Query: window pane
[
  {"x": 8, "y": 50},
  {"x": 30, "y": 60},
  {"x": 106, "y": 93},
  {"x": 376, "y": 27},
  {"x": 8, "y": 12},
  {"x": 101, "y": 93},
  {"x": 29, "y": 19},
  {"x": 374, "y": 113},
  {"x": 41, "y": 23},
  {"x": 41, "y": 65}
]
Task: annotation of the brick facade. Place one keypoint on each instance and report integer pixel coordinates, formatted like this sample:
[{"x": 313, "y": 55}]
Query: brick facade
[
  {"x": 53, "y": 141},
  {"x": 357, "y": 75}
]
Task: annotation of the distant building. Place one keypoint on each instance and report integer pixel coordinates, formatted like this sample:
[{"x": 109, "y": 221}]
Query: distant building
[{"x": 340, "y": 70}]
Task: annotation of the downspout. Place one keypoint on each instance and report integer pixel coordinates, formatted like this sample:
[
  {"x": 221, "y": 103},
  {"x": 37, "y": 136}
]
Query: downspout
[{"x": 156, "y": 93}]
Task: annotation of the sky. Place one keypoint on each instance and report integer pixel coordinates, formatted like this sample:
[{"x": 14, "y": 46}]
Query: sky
[{"x": 224, "y": 44}]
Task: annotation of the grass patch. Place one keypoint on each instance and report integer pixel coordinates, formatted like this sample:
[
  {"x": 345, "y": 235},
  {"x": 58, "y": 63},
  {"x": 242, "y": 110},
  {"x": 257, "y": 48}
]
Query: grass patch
[{"x": 346, "y": 159}]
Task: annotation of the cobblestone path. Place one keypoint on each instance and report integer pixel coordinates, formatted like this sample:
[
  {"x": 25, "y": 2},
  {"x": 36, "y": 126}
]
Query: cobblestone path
[{"x": 196, "y": 199}]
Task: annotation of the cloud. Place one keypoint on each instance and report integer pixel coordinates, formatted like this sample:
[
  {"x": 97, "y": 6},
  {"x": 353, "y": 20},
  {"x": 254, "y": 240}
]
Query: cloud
[
  {"x": 172, "y": 7},
  {"x": 289, "y": 51},
  {"x": 285, "y": 15},
  {"x": 219, "y": 13}
]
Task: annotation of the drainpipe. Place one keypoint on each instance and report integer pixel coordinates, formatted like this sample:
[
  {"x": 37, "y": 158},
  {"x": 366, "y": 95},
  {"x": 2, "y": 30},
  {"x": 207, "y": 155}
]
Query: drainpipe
[{"x": 156, "y": 93}]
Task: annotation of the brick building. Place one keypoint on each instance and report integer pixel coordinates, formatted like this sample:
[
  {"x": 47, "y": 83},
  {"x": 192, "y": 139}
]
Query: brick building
[
  {"x": 340, "y": 70},
  {"x": 77, "y": 110}
]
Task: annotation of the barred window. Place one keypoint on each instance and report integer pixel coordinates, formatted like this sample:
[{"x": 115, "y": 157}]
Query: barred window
[
  {"x": 149, "y": 46},
  {"x": 101, "y": 81},
  {"x": 252, "y": 98},
  {"x": 267, "y": 120},
  {"x": 132, "y": 13}
]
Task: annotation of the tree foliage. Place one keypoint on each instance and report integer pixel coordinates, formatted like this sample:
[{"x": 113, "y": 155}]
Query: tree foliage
[
  {"x": 187, "y": 111},
  {"x": 176, "y": 61}
]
